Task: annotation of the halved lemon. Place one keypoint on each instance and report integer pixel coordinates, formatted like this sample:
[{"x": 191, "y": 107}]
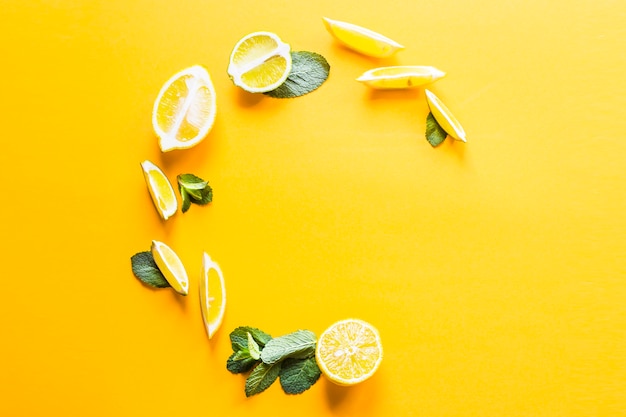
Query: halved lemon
[
  {"x": 349, "y": 351},
  {"x": 361, "y": 39},
  {"x": 444, "y": 117},
  {"x": 184, "y": 110},
  {"x": 400, "y": 76},
  {"x": 171, "y": 267},
  {"x": 260, "y": 62},
  {"x": 160, "y": 189},
  {"x": 212, "y": 295}
]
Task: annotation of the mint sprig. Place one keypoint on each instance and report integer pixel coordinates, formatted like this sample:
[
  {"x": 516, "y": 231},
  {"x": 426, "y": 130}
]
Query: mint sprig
[
  {"x": 435, "y": 135},
  {"x": 290, "y": 357},
  {"x": 308, "y": 72},
  {"x": 193, "y": 189},
  {"x": 147, "y": 271}
]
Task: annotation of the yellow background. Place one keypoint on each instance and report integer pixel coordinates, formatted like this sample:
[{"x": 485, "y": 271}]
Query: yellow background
[{"x": 495, "y": 270}]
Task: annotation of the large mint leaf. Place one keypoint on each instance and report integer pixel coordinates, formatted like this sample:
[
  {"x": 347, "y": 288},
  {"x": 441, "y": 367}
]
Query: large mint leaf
[
  {"x": 298, "y": 375},
  {"x": 147, "y": 271},
  {"x": 240, "y": 362},
  {"x": 434, "y": 132},
  {"x": 261, "y": 377},
  {"x": 299, "y": 344},
  {"x": 308, "y": 71}
]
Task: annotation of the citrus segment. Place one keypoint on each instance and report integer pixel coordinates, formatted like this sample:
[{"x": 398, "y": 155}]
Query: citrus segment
[
  {"x": 185, "y": 109},
  {"x": 443, "y": 116},
  {"x": 212, "y": 295},
  {"x": 171, "y": 267},
  {"x": 260, "y": 62},
  {"x": 400, "y": 76},
  {"x": 349, "y": 351},
  {"x": 361, "y": 39},
  {"x": 160, "y": 189}
]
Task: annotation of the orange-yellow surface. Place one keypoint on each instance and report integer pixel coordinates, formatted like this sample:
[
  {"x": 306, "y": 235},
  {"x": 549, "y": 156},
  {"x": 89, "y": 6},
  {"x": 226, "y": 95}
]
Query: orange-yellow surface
[{"x": 495, "y": 270}]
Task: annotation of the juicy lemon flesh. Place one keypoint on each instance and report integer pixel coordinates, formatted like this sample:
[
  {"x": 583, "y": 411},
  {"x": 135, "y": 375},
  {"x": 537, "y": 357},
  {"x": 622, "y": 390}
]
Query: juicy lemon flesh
[
  {"x": 254, "y": 48},
  {"x": 171, "y": 267},
  {"x": 185, "y": 109},
  {"x": 349, "y": 352},
  {"x": 161, "y": 191},
  {"x": 269, "y": 72},
  {"x": 212, "y": 298}
]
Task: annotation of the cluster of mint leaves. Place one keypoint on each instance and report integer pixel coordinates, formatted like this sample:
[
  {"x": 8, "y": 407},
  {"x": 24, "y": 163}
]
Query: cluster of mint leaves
[
  {"x": 193, "y": 189},
  {"x": 289, "y": 358}
]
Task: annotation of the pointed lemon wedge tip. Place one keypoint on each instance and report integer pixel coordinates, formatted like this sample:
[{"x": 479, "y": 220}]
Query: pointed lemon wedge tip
[
  {"x": 184, "y": 110},
  {"x": 212, "y": 295},
  {"x": 444, "y": 117},
  {"x": 161, "y": 190},
  {"x": 400, "y": 77},
  {"x": 361, "y": 39},
  {"x": 170, "y": 266}
]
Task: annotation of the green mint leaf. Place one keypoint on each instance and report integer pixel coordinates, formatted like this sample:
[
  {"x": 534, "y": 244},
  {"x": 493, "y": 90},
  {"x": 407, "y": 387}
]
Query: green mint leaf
[
  {"x": 434, "y": 133},
  {"x": 186, "y": 201},
  {"x": 147, "y": 271},
  {"x": 298, "y": 375},
  {"x": 299, "y": 344},
  {"x": 261, "y": 377},
  {"x": 253, "y": 347},
  {"x": 193, "y": 189},
  {"x": 239, "y": 337},
  {"x": 308, "y": 71},
  {"x": 191, "y": 182},
  {"x": 240, "y": 362}
]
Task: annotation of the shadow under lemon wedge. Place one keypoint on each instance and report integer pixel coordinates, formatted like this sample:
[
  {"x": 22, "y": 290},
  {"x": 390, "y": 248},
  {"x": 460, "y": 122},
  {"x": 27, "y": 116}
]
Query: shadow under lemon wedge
[
  {"x": 349, "y": 351},
  {"x": 184, "y": 111}
]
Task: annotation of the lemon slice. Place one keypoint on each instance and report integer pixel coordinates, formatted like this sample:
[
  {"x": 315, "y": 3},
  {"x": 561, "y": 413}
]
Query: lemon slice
[
  {"x": 160, "y": 189},
  {"x": 171, "y": 267},
  {"x": 400, "y": 76},
  {"x": 443, "y": 116},
  {"x": 184, "y": 110},
  {"x": 349, "y": 351},
  {"x": 212, "y": 295},
  {"x": 361, "y": 39},
  {"x": 260, "y": 62}
]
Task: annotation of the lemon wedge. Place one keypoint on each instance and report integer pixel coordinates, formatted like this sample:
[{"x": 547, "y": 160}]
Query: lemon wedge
[
  {"x": 160, "y": 189},
  {"x": 444, "y": 117},
  {"x": 349, "y": 351},
  {"x": 260, "y": 62},
  {"x": 184, "y": 111},
  {"x": 361, "y": 39},
  {"x": 171, "y": 267},
  {"x": 212, "y": 295},
  {"x": 400, "y": 76}
]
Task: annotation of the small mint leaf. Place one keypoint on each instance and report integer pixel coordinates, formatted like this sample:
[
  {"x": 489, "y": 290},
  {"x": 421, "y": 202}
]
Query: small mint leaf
[
  {"x": 147, "y": 271},
  {"x": 434, "y": 132},
  {"x": 240, "y": 362},
  {"x": 261, "y": 377},
  {"x": 253, "y": 347},
  {"x": 298, "y": 375},
  {"x": 206, "y": 196},
  {"x": 191, "y": 182},
  {"x": 186, "y": 201},
  {"x": 239, "y": 337},
  {"x": 308, "y": 71},
  {"x": 299, "y": 344}
]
